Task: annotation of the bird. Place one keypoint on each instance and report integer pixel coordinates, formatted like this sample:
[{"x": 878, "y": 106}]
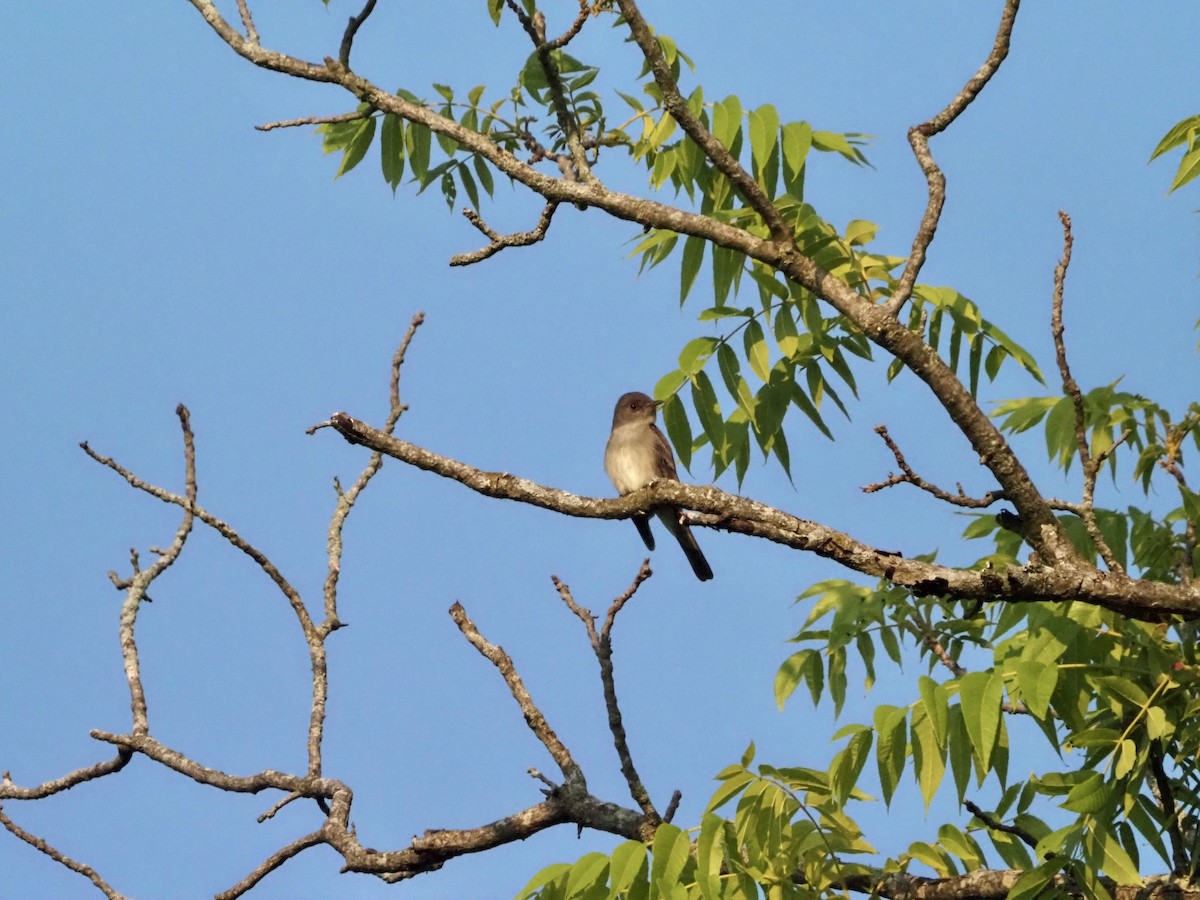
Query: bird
[{"x": 638, "y": 454}]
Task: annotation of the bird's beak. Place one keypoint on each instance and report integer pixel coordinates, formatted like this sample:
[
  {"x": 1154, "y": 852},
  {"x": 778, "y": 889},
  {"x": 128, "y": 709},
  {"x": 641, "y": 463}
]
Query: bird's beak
[{"x": 658, "y": 404}]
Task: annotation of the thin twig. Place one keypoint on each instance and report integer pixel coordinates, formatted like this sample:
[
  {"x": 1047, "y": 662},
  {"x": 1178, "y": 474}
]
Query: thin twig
[
  {"x": 500, "y": 241},
  {"x": 38, "y": 844},
  {"x": 351, "y": 30},
  {"x": 918, "y": 137},
  {"x": 677, "y": 107},
  {"x": 602, "y": 646},
  {"x": 533, "y": 716},
  {"x": 569, "y": 35},
  {"x": 911, "y": 477},
  {"x": 318, "y": 120},
  {"x": 273, "y": 862},
  {"x": 10, "y": 791},
  {"x": 248, "y": 22},
  {"x": 568, "y": 122},
  {"x": 1091, "y": 467},
  {"x": 1166, "y": 798},
  {"x": 996, "y": 825}
]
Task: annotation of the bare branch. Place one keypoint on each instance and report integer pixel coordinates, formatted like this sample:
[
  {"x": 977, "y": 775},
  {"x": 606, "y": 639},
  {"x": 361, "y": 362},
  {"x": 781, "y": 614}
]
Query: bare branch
[
  {"x": 1091, "y": 467},
  {"x": 10, "y": 791},
  {"x": 533, "y": 716},
  {"x": 248, "y": 21},
  {"x": 351, "y": 30},
  {"x": 317, "y": 120},
  {"x": 500, "y": 241},
  {"x": 569, "y": 35},
  {"x": 602, "y": 646},
  {"x": 729, "y": 512},
  {"x": 37, "y": 843},
  {"x": 911, "y": 477},
  {"x": 273, "y": 862},
  {"x": 918, "y": 137}
]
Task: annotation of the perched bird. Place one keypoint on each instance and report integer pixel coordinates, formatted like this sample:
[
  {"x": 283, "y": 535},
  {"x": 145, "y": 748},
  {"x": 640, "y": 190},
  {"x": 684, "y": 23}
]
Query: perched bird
[{"x": 638, "y": 454}]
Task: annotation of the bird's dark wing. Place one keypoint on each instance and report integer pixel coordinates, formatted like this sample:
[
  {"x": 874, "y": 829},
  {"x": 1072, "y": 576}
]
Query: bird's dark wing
[{"x": 664, "y": 459}]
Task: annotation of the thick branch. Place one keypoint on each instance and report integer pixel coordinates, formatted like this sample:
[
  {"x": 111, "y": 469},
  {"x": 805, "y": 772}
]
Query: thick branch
[
  {"x": 918, "y": 137},
  {"x": 676, "y": 105},
  {"x": 729, "y": 512},
  {"x": 1044, "y": 533}
]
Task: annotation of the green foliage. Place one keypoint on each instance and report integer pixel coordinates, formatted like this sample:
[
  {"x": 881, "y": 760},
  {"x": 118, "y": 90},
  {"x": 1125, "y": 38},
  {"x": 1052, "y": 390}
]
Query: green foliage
[
  {"x": 1184, "y": 134},
  {"x": 1111, "y": 699}
]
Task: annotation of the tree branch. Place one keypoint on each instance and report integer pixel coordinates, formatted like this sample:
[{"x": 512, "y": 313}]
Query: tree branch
[
  {"x": 1044, "y": 532},
  {"x": 351, "y": 30},
  {"x": 676, "y": 106},
  {"x": 500, "y": 241},
  {"x": 38, "y": 844},
  {"x": 728, "y": 512},
  {"x": 911, "y": 477},
  {"x": 1091, "y": 467},
  {"x": 602, "y": 646},
  {"x": 558, "y": 751},
  {"x": 918, "y": 137}
]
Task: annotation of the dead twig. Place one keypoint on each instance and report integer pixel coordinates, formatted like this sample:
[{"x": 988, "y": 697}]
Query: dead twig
[
  {"x": 908, "y": 476},
  {"x": 918, "y": 138},
  {"x": 500, "y": 241}
]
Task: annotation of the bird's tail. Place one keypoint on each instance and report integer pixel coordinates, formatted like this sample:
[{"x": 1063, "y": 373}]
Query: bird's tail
[{"x": 683, "y": 534}]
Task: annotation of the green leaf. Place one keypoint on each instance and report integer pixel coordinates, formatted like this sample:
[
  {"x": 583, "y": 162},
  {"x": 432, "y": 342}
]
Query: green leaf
[
  {"x": 936, "y": 701},
  {"x": 361, "y": 135},
  {"x": 1033, "y": 882},
  {"x": 848, "y": 764},
  {"x": 693, "y": 256},
  {"x": 1091, "y": 795},
  {"x": 797, "y": 138},
  {"x": 1189, "y": 168},
  {"x": 628, "y": 863},
  {"x": 860, "y": 232},
  {"x": 1180, "y": 133},
  {"x": 732, "y": 786},
  {"x": 757, "y": 352},
  {"x": 679, "y": 430},
  {"x": 929, "y": 757},
  {"x": 1113, "y": 859},
  {"x": 708, "y": 411},
  {"x": 695, "y": 354},
  {"x": 890, "y": 751},
  {"x": 980, "y": 695},
  {"x": 419, "y": 140},
  {"x": 1037, "y": 682},
  {"x": 764, "y": 132},
  {"x": 670, "y": 853},
  {"x": 485, "y": 176},
  {"x": 391, "y": 150},
  {"x": 727, "y": 120},
  {"x": 589, "y": 870},
  {"x": 544, "y": 877},
  {"x": 709, "y": 858}
]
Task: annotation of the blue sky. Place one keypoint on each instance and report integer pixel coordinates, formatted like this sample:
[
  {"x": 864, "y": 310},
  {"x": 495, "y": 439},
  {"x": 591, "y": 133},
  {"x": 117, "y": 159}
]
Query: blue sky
[{"x": 157, "y": 250}]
